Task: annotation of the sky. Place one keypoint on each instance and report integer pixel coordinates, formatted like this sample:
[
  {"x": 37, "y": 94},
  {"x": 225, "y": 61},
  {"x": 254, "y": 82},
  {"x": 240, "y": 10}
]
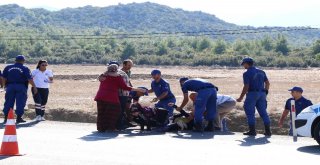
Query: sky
[{"x": 241, "y": 12}]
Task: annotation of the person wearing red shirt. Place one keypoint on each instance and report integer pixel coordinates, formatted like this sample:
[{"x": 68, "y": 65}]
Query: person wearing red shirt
[{"x": 107, "y": 98}]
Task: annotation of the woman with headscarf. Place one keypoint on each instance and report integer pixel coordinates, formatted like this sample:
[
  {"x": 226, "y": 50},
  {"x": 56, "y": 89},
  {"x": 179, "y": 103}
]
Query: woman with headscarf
[
  {"x": 107, "y": 98},
  {"x": 41, "y": 77}
]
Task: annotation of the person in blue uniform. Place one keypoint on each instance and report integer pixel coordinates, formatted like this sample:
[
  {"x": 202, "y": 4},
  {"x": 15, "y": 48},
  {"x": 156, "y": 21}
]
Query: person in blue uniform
[
  {"x": 161, "y": 88},
  {"x": 300, "y": 102},
  {"x": 16, "y": 78},
  {"x": 256, "y": 87},
  {"x": 205, "y": 101}
]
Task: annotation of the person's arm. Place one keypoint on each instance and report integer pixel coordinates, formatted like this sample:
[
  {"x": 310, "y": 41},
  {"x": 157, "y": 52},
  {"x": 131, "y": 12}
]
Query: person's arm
[
  {"x": 123, "y": 85},
  {"x": 101, "y": 77},
  {"x": 1, "y": 82},
  {"x": 4, "y": 82},
  {"x": 283, "y": 116},
  {"x": 34, "y": 88},
  {"x": 27, "y": 74},
  {"x": 184, "y": 102},
  {"x": 267, "y": 85},
  {"x": 245, "y": 90},
  {"x": 162, "y": 96},
  {"x": 51, "y": 77}
]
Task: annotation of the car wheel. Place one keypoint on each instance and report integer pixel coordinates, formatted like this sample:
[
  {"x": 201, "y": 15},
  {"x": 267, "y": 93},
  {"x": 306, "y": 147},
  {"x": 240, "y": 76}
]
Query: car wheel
[{"x": 316, "y": 133}]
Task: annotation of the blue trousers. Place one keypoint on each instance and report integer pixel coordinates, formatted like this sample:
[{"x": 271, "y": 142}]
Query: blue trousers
[
  {"x": 206, "y": 101},
  {"x": 256, "y": 100},
  {"x": 40, "y": 100},
  {"x": 15, "y": 93},
  {"x": 164, "y": 104}
]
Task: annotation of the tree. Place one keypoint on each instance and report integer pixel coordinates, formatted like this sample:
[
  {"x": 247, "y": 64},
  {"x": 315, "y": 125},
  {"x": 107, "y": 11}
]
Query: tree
[
  {"x": 203, "y": 44},
  {"x": 128, "y": 51},
  {"x": 316, "y": 47},
  {"x": 282, "y": 45},
  {"x": 267, "y": 43},
  {"x": 162, "y": 49},
  {"x": 3, "y": 48},
  {"x": 219, "y": 47}
]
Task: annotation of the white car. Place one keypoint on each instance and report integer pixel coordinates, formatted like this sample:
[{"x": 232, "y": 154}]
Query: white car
[{"x": 308, "y": 122}]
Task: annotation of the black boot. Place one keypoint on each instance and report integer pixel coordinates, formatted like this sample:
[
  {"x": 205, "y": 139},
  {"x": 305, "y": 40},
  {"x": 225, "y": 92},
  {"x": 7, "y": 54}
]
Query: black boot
[
  {"x": 20, "y": 120},
  {"x": 209, "y": 127},
  {"x": 198, "y": 127},
  {"x": 5, "y": 119},
  {"x": 252, "y": 131},
  {"x": 267, "y": 130}
]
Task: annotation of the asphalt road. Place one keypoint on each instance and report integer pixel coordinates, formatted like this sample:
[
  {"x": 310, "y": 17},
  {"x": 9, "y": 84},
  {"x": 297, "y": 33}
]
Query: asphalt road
[{"x": 60, "y": 143}]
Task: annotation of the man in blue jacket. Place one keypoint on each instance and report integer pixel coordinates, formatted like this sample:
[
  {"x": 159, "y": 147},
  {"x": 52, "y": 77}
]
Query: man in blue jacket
[{"x": 16, "y": 78}]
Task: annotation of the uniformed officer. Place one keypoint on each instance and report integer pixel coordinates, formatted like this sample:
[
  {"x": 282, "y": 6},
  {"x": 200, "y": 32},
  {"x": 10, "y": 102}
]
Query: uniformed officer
[
  {"x": 16, "y": 78},
  {"x": 161, "y": 88},
  {"x": 256, "y": 87},
  {"x": 300, "y": 103},
  {"x": 206, "y": 100}
]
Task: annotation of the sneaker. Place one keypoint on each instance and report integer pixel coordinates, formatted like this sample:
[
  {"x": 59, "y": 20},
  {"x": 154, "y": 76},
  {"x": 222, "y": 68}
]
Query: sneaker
[
  {"x": 42, "y": 119},
  {"x": 224, "y": 125},
  {"x": 38, "y": 118}
]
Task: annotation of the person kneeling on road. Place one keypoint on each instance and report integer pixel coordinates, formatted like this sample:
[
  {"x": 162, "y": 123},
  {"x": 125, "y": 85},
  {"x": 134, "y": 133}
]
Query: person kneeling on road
[
  {"x": 205, "y": 101},
  {"x": 225, "y": 104}
]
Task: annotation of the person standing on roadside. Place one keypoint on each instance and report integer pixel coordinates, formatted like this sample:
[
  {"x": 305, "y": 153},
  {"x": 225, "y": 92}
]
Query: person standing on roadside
[
  {"x": 16, "y": 78},
  {"x": 42, "y": 77},
  {"x": 256, "y": 88}
]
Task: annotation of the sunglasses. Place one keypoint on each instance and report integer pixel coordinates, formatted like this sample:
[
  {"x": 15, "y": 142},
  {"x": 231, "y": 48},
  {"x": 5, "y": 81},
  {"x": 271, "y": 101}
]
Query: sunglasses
[{"x": 44, "y": 65}]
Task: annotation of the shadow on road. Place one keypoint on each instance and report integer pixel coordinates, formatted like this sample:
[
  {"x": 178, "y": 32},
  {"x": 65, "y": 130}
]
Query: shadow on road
[
  {"x": 251, "y": 141},
  {"x": 193, "y": 135},
  {"x": 4, "y": 157},
  {"x": 27, "y": 124},
  {"x": 96, "y": 136},
  {"x": 310, "y": 149}
]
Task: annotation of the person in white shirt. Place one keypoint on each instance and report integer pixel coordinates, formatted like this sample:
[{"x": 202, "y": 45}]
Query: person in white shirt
[
  {"x": 42, "y": 77},
  {"x": 225, "y": 104}
]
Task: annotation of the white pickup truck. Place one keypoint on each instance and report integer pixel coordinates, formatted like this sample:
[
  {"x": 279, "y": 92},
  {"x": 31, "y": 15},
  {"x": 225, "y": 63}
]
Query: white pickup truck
[{"x": 307, "y": 122}]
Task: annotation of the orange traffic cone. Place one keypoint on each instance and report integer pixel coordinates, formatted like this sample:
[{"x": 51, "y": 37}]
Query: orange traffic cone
[{"x": 9, "y": 145}]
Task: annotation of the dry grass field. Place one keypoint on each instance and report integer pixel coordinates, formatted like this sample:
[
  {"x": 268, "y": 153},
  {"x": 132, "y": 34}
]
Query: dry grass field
[{"x": 75, "y": 86}]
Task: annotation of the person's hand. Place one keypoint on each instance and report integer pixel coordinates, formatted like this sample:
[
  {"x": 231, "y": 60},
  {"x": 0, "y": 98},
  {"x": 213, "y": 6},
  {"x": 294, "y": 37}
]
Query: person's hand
[
  {"x": 154, "y": 100},
  {"x": 101, "y": 78},
  {"x": 239, "y": 99},
  {"x": 179, "y": 109},
  {"x": 35, "y": 90}
]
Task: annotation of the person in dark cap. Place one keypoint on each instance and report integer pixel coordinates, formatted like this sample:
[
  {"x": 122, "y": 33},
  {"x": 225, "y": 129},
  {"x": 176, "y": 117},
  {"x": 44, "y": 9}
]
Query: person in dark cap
[
  {"x": 16, "y": 80},
  {"x": 163, "y": 93},
  {"x": 205, "y": 101},
  {"x": 300, "y": 103},
  {"x": 256, "y": 87}
]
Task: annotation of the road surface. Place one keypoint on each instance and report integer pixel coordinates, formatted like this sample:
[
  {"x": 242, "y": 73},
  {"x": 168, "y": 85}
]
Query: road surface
[{"x": 61, "y": 143}]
